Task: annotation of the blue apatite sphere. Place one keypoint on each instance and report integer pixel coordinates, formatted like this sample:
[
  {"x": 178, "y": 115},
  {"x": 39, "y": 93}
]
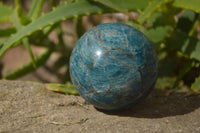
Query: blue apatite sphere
[{"x": 113, "y": 66}]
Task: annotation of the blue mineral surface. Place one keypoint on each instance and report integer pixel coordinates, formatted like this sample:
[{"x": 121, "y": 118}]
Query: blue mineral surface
[{"x": 113, "y": 66}]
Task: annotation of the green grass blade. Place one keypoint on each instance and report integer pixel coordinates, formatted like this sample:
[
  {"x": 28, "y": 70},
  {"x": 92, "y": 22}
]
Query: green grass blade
[
  {"x": 79, "y": 26},
  {"x": 113, "y": 4},
  {"x": 194, "y": 28},
  {"x": 67, "y": 88},
  {"x": 5, "y": 13},
  {"x": 193, "y": 5},
  {"x": 28, "y": 48},
  {"x": 36, "y": 7},
  {"x": 61, "y": 13},
  {"x": 125, "y": 5},
  {"x": 63, "y": 48},
  {"x": 116, "y": 5},
  {"x": 29, "y": 67},
  {"x": 20, "y": 13},
  {"x": 18, "y": 19},
  {"x": 149, "y": 10},
  {"x": 7, "y": 32}
]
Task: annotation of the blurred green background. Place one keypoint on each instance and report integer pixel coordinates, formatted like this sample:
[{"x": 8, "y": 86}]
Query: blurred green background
[{"x": 36, "y": 37}]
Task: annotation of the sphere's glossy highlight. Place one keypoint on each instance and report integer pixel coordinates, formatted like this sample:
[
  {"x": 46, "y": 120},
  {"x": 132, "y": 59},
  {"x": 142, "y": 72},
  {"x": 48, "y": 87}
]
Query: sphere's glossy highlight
[{"x": 113, "y": 66}]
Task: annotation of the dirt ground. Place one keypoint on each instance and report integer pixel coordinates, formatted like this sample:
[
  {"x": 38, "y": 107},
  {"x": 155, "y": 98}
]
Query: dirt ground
[{"x": 29, "y": 107}]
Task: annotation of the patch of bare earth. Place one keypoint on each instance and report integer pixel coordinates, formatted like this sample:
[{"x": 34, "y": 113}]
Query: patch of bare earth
[{"x": 29, "y": 107}]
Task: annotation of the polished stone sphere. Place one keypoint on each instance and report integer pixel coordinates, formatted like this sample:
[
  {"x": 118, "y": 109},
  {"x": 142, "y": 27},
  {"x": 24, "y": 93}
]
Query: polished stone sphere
[{"x": 113, "y": 66}]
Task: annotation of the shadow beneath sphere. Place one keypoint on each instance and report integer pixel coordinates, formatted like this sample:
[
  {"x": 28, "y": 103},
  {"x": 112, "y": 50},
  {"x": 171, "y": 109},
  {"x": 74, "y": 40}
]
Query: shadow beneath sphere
[{"x": 158, "y": 104}]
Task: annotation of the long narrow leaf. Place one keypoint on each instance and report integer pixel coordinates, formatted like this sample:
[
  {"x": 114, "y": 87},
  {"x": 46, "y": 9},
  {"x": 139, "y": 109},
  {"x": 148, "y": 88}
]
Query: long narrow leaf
[
  {"x": 80, "y": 8},
  {"x": 149, "y": 10},
  {"x": 125, "y": 5},
  {"x": 79, "y": 26},
  {"x": 5, "y": 13},
  {"x": 28, "y": 48},
  {"x": 29, "y": 67},
  {"x": 23, "y": 20},
  {"x": 17, "y": 20},
  {"x": 116, "y": 6},
  {"x": 36, "y": 7},
  {"x": 188, "y": 4},
  {"x": 7, "y": 32},
  {"x": 67, "y": 88}
]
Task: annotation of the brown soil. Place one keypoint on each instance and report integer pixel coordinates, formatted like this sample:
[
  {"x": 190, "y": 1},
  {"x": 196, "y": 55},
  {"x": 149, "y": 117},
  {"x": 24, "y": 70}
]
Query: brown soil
[{"x": 29, "y": 107}]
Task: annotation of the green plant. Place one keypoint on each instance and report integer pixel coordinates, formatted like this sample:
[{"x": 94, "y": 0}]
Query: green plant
[{"x": 170, "y": 24}]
